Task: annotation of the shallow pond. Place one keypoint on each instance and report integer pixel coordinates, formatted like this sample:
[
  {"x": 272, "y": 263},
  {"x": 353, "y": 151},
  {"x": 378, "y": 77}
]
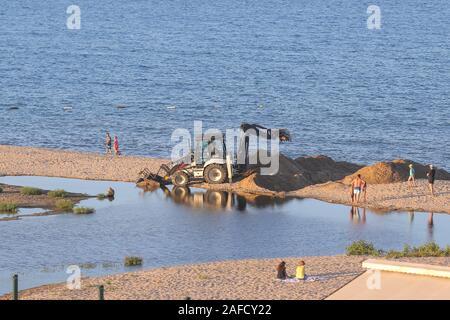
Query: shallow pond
[{"x": 181, "y": 226}]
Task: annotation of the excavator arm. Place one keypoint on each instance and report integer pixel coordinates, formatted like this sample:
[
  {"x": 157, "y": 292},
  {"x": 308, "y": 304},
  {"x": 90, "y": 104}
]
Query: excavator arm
[{"x": 283, "y": 134}]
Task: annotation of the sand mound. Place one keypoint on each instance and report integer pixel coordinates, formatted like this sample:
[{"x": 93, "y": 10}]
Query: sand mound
[
  {"x": 305, "y": 171},
  {"x": 248, "y": 183},
  {"x": 321, "y": 169},
  {"x": 289, "y": 177},
  {"x": 393, "y": 171},
  {"x": 300, "y": 173}
]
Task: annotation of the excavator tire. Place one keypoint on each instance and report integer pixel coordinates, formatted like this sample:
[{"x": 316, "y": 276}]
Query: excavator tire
[
  {"x": 180, "y": 179},
  {"x": 215, "y": 174}
]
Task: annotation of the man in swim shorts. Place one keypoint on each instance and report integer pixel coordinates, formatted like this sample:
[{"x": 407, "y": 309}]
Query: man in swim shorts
[{"x": 358, "y": 185}]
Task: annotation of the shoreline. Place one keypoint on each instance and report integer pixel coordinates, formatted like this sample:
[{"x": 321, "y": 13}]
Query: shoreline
[
  {"x": 252, "y": 279},
  {"x": 385, "y": 197},
  {"x": 245, "y": 279},
  {"x": 31, "y": 161}
]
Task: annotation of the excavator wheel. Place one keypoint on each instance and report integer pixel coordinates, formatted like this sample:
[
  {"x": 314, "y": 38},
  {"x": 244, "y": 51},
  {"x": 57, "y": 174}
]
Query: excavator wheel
[
  {"x": 180, "y": 179},
  {"x": 215, "y": 173}
]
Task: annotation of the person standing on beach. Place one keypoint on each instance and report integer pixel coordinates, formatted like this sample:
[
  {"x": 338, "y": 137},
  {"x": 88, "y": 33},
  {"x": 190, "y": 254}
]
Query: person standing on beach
[
  {"x": 108, "y": 143},
  {"x": 116, "y": 146},
  {"x": 412, "y": 176},
  {"x": 358, "y": 185},
  {"x": 431, "y": 174},
  {"x": 364, "y": 189}
]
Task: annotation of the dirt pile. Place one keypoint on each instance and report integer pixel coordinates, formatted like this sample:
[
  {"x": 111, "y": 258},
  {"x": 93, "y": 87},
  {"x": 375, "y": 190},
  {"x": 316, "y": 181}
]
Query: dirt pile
[
  {"x": 248, "y": 183},
  {"x": 321, "y": 169},
  {"x": 300, "y": 173},
  {"x": 305, "y": 171},
  {"x": 289, "y": 177},
  {"x": 394, "y": 171}
]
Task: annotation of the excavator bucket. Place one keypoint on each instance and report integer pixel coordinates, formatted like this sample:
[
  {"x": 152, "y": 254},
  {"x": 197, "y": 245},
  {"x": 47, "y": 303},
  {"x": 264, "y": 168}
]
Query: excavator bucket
[{"x": 161, "y": 177}]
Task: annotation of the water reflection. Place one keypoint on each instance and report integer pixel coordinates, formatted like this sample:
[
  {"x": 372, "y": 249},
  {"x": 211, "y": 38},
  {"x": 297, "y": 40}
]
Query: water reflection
[
  {"x": 430, "y": 220},
  {"x": 358, "y": 215},
  {"x": 430, "y": 226},
  {"x": 430, "y": 223},
  {"x": 219, "y": 200},
  {"x": 411, "y": 216}
]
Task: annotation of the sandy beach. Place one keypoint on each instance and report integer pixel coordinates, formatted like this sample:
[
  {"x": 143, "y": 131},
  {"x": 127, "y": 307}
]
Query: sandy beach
[
  {"x": 380, "y": 196},
  {"x": 233, "y": 279},
  {"x": 243, "y": 279},
  {"x": 16, "y": 161},
  {"x": 386, "y": 197}
]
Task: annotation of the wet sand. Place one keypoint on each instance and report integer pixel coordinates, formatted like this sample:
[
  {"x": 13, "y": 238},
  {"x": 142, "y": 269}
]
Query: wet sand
[
  {"x": 91, "y": 166},
  {"x": 386, "y": 197},
  {"x": 233, "y": 279}
]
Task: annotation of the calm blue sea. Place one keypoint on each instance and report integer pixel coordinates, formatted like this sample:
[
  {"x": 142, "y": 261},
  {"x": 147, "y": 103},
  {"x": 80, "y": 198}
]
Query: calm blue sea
[{"x": 311, "y": 66}]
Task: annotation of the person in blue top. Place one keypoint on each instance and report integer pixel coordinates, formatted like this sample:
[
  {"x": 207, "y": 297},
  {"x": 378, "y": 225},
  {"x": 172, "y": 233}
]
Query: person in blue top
[{"x": 412, "y": 176}]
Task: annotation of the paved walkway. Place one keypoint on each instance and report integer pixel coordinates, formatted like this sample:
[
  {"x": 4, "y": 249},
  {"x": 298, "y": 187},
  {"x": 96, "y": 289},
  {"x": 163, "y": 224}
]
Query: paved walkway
[{"x": 386, "y": 285}]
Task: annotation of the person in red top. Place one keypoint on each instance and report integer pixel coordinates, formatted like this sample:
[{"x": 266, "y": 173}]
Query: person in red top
[{"x": 116, "y": 146}]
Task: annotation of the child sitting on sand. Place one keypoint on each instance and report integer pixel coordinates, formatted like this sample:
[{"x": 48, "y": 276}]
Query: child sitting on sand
[
  {"x": 281, "y": 271},
  {"x": 300, "y": 271}
]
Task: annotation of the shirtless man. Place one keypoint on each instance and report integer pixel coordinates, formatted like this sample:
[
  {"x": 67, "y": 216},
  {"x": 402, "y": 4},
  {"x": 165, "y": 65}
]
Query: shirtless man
[{"x": 358, "y": 186}]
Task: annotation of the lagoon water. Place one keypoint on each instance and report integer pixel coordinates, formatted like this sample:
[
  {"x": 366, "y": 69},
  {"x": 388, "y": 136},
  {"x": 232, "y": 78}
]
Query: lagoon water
[
  {"x": 179, "y": 227},
  {"x": 311, "y": 66}
]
